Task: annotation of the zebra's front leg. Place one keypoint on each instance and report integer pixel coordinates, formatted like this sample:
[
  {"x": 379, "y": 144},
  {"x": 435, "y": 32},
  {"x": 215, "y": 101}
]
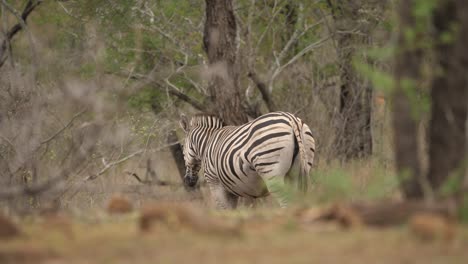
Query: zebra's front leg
[{"x": 222, "y": 198}]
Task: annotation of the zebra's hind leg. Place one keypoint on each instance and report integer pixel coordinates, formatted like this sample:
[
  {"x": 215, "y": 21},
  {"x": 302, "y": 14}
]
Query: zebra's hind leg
[
  {"x": 277, "y": 189},
  {"x": 222, "y": 198}
]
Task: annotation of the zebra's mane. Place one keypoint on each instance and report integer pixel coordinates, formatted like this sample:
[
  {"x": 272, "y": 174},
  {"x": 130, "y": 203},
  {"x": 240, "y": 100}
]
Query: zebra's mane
[{"x": 206, "y": 120}]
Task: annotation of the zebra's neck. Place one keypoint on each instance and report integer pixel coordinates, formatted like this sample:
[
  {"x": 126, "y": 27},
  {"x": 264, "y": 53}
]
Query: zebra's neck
[
  {"x": 206, "y": 121},
  {"x": 204, "y": 134},
  {"x": 203, "y": 127}
]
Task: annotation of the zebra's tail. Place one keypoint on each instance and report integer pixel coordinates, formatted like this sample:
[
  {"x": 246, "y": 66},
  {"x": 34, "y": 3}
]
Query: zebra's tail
[{"x": 303, "y": 179}]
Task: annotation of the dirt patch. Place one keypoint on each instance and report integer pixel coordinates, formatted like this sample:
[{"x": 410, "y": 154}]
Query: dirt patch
[
  {"x": 59, "y": 223},
  {"x": 180, "y": 216},
  {"x": 25, "y": 254}
]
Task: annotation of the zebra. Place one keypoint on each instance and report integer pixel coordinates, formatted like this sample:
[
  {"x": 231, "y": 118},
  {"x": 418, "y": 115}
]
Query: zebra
[{"x": 252, "y": 160}]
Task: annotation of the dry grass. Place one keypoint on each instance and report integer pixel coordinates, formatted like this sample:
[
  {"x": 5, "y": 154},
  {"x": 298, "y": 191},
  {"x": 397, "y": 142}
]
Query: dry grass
[
  {"x": 59, "y": 223},
  {"x": 269, "y": 236}
]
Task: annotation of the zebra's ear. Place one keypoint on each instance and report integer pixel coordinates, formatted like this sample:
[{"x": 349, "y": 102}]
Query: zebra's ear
[{"x": 184, "y": 123}]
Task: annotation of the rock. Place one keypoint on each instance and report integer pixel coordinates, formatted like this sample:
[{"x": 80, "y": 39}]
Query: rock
[
  {"x": 429, "y": 226},
  {"x": 7, "y": 228}
]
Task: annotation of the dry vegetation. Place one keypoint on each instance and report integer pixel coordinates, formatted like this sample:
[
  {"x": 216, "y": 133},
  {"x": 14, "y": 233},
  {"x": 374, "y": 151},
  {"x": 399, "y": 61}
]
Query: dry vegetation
[
  {"x": 90, "y": 96},
  {"x": 184, "y": 234}
]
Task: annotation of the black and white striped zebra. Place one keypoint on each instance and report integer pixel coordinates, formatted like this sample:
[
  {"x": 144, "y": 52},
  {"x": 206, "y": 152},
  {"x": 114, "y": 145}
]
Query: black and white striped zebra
[{"x": 251, "y": 160}]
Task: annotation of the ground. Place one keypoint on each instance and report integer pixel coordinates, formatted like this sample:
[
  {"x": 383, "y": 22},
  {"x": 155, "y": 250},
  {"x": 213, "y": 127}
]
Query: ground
[{"x": 248, "y": 236}]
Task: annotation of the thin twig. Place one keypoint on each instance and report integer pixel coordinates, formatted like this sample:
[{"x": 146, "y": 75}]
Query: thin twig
[
  {"x": 298, "y": 55},
  {"x": 15, "y": 191},
  {"x": 114, "y": 163},
  {"x": 63, "y": 128},
  {"x": 8, "y": 141}
]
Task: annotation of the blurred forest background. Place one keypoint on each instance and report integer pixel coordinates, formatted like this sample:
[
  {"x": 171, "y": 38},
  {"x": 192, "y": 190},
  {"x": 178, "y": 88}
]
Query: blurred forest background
[{"x": 92, "y": 90}]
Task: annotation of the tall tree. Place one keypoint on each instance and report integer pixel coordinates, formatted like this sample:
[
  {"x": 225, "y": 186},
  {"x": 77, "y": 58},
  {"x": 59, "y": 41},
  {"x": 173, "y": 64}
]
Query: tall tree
[
  {"x": 219, "y": 42},
  {"x": 355, "y": 137},
  {"x": 407, "y": 73},
  {"x": 449, "y": 93}
]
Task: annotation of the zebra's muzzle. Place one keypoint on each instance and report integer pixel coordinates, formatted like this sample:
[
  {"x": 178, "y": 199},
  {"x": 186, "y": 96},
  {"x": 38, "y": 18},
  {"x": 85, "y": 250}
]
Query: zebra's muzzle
[{"x": 190, "y": 181}]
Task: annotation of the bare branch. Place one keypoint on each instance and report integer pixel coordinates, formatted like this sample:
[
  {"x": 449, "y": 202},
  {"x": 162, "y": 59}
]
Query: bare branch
[
  {"x": 64, "y": 127},
  {"x": 30, "y": 6},
  {"x": 272, "y": 19},
  {"x": 8, "y": 141},
  {"x": 276, "y": 67},
  {"x": 177, "y": 93},
  {"x": 114, "y": 163},
  {"x": 296, "y": 57},
  {"x": 173, "y": 90},
  {"x": 31, "y": 190},
  {"x": 294, "y": 37},
  {"x": 15, "y": 191},
  {"x": 263, "y": 90},
  {"x": 22, "y": 22},
  {"x": 149, "y": 182},
  {"x": 117, "y": 162}
]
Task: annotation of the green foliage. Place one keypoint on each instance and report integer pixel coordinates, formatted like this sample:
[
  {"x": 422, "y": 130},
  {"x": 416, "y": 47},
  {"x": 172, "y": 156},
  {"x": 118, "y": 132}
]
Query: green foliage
[
  {"x": 148, "y": 99},
  {"x": 336, "y": 184},
  {"x": 381, "y": 184},
  {"x": 454, "y": 183},
  {"x": 463, "y": 209},
  {"x": 142, "y": 129},
  {"x": 418, "y": 36},
  {"x": 118, "y": 14},
  {"x": 380, "y": 79},
  {"x": 87, "y": 71},
  {"x": 417, "y": 39},
  {"x": 420, "y": 102},
  {"x": 423, "y": 10},
  {"x": 362, "y": 180},
  {"x": 330, "y": 69}
]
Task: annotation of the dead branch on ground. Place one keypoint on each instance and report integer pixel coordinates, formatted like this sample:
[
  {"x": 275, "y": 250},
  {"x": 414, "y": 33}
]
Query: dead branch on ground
[{"x": 379, "y": 214}]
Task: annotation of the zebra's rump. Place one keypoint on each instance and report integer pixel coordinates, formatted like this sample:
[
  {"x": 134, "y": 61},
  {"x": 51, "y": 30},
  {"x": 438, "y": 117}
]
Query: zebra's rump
[{"x": 241, "y": 158}]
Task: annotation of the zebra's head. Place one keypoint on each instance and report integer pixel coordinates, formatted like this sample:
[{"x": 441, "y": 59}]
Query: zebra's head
[
  {"x": 197, "y": 131},
  {"x": 191, "y": 154}
]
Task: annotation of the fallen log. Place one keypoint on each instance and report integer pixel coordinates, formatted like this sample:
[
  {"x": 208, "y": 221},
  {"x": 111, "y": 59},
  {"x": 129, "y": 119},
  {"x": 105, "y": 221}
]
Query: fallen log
[
  {"x": 380, "y": 214},
  {"x": 394, "y": 213}
]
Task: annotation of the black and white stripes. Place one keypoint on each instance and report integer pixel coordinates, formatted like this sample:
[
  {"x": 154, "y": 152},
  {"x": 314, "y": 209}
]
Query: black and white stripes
[{"x": 251, "y": 160}]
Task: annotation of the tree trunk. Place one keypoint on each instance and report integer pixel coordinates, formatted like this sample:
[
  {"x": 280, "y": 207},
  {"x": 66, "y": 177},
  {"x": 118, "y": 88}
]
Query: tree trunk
[
  {"x": 407, "y": 67},
  {"x": 219, "y": 42},
  {"x": 355, "y": 137},
  {"x": 447, "y": 131},
  {"x": 178, "y": 154}
]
